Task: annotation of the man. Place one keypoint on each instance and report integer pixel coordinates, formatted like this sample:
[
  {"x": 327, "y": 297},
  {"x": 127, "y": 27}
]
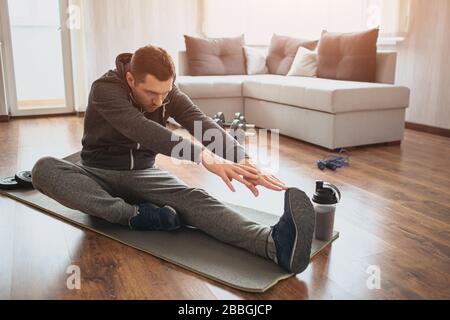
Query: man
[{"x": 116, "y": 180}]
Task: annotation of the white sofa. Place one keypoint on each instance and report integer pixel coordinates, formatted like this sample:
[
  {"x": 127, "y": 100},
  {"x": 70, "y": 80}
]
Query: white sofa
[{"x": 329, "y": 113}]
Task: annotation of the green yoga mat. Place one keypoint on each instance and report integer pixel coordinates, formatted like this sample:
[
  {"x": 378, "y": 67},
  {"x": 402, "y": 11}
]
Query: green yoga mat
[{"x": 188, "y": 248}]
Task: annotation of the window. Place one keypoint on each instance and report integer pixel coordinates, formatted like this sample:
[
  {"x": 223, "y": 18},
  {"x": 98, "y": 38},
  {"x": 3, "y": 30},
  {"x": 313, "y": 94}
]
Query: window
[
  {"x": 259, "y": 19},
  {"x": 36, "y": 57}
]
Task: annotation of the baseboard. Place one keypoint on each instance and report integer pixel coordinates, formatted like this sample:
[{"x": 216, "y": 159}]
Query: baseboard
[
  {"x": 4, "y": 118},
  {"x": 45, "y": 116},
  {"x": 381, "y": 144},
  {"x": 429, "y": 129}
]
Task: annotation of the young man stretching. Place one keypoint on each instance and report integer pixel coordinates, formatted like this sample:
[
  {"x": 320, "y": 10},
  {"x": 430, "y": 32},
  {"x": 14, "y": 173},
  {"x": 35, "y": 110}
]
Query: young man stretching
[{"x": 117, "y": 180}]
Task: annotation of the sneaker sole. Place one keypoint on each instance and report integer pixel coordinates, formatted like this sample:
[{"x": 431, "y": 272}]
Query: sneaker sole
[{"x": 302, "y": 213}]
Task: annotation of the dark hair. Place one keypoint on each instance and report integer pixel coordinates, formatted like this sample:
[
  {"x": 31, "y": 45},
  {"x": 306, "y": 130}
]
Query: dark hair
[{"x": 152, "y": 60}]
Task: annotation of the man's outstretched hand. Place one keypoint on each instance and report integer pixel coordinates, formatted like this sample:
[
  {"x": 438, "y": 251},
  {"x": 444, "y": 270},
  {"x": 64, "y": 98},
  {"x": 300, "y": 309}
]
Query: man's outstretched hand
[
  {"x": 229, "y": 170},
  {"x": 264, "y": 179},
  {"x": 245, "y": 172}
]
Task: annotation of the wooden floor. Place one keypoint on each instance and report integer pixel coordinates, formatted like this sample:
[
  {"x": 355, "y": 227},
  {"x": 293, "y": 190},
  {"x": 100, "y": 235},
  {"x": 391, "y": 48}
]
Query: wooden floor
[{"x": 394, "y": 214}]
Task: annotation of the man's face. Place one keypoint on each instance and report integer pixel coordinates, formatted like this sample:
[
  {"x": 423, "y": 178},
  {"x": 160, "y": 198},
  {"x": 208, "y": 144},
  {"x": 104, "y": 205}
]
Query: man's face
[{"x": 150, "y": 93}]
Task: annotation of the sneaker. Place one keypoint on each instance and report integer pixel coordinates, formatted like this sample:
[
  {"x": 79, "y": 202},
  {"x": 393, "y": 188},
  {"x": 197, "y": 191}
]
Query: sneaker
[
  {"x": 293, "y": 233},
  {"x": 151, "y": 217}
]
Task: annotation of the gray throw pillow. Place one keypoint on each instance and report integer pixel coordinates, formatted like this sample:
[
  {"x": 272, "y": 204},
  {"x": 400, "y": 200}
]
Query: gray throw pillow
[
  {"x": 215, "y": 56},
  {"x": 282, "y": 52}
]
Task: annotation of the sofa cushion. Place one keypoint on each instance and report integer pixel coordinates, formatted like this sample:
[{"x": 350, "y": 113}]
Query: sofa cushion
[
  {"x": 324, "y": 94},
  {"x": 348, "y": 56},
  {"x": 211, "y": 86},
  {"x": 215, "y": 56},
  {"x": 282, "y": 52}
]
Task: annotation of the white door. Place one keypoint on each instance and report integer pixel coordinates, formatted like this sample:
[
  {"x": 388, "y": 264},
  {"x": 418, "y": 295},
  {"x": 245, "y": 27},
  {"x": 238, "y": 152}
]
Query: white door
[{"x": 36, "y": 54}]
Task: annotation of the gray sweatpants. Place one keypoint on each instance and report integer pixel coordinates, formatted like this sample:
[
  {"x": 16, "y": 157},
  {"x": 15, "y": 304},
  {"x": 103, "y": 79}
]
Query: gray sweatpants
[{"x": 113, "y": 195}]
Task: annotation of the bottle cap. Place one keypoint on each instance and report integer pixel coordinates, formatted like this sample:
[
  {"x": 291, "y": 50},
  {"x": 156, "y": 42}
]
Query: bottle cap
[{"x": 326, "y": 193}]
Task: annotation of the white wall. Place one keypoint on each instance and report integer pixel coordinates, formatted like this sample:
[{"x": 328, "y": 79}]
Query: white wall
[{"x": 424, "y": 63}]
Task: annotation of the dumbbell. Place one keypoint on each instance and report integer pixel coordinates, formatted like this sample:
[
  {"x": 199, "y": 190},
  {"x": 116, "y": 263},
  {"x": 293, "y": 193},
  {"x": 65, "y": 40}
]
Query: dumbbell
[
  {"x": 219, "y": 115},
  {"x": 236, "y": 124},
  {"x": 21, "y": 180},
  {"x": 219, "y": 118},
  {"x": 241, "y": 123},
  {"x": 244, "y": 122},
  {"x": 238, "y": 115},
  {"x": 219, "y": 122}
]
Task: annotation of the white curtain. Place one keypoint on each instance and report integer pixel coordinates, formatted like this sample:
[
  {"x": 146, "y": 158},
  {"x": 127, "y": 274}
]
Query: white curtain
[
  {"x": 112, "y": 27},
  {"x": 102, "y": 29},
  {"x": 259, "y": 19}
]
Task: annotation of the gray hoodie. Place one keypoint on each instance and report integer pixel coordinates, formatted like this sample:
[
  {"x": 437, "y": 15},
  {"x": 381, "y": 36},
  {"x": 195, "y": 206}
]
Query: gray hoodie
[{"x": 118, "y": 135}]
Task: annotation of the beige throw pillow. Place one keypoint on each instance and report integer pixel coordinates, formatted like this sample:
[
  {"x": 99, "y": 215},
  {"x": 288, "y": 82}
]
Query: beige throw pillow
[
  {"x": 255, "y": 60},
  {"x": 348, "y": 56},
  {"x": 215, "y": 56},
  {"x": 282, "y": 51},
  {"x": 304, "y": 64}
]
